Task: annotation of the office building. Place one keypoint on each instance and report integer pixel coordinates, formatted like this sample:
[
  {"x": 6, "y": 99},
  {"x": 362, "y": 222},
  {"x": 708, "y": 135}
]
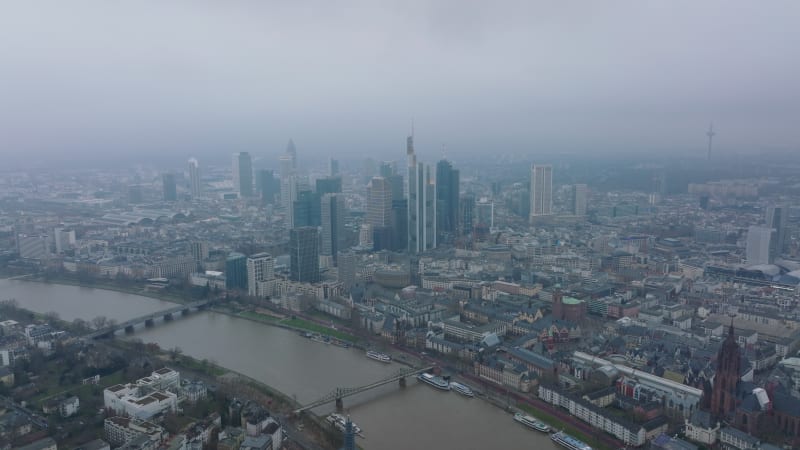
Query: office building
[
  {"x": 759, "y": 247},
  {"x": 306, "y": 209},
  {"x": 236, "y": 271},
  {"x": 65, "y": 239},
  {"x": 333, "y": 167},
  {"x": 421, "y": 204},
  {"x": 347, "y": 269},
  {"x": 777, "y": 218},
  {"x": 260, "y": 267},
  {"x": 194, "y": 177},
  {"x": 288, "y": 191},
  {"x": 243, "y": 174},
  {"x": 33, "y": 246},
  {"x": 579, "y": 193},
  {"x": 170, "y": 187},
  {"x": 329, "y": 185},
  {"x": 291, "y": 152},
  {"x": 304, "y": 254},
  {"x": 388, "y": 170},
  {"x": 447, "y": 194},
  {"x": 135, "y": 193},
  {"x": 267, "y": 186},
  {"x": 199, "y": 251},
  {"x": 333, "y": 217},
  {"x": 379, "y": 202},
  {"x": 541, "y": 191},
  {"x": 466, "y": 212},
  {"x": 399, "y": 223}
]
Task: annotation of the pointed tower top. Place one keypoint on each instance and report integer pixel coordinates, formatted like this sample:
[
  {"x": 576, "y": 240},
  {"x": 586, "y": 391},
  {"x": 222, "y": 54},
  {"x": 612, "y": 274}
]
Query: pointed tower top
[{"x": 290, "y": 148}]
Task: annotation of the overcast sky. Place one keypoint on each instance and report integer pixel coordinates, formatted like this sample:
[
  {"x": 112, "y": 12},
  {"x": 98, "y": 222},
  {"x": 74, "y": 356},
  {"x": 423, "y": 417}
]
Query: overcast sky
[{"x": 141, "y": 80}]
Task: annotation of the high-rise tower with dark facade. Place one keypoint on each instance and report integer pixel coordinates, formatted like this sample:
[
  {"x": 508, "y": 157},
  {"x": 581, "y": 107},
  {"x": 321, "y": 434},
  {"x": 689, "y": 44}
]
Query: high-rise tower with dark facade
[
  {"x": 170, "y": 187},
  {"x": 243, "y": 174},
  {"x": 447, "y": 195},
  {"x": 304, "y": 254},
  {"x": 333, "y": 216},
  {"x": 777, "y": 218},
  {"x": 267, "y": 186}
]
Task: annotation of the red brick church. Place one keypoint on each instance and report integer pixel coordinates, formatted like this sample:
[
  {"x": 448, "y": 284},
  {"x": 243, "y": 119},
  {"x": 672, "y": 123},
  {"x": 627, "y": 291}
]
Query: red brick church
[{"x": 765, "y": 410}]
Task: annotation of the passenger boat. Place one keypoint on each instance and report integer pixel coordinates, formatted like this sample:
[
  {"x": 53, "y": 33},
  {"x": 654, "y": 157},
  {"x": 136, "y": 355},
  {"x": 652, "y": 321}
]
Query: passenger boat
[
  {"x": 570, "y": 442},
  {"x": 462, "y": 389},
  {"x": 378, "y": 356},
  {"x": 321, "y": 339},
  {"x": 532, "y": 422},
  {"x": 433, "y": 380},
  {"x": 340, "y": 422}
]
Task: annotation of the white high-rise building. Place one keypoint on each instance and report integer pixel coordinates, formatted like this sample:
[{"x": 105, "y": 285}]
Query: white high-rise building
[
  {"x": 65, "y": 239},
  {"x": 194, "y": 177},
  {"x": 260, "y": 267},
  {"x": 379, "y": 202},
  {"x": 421, "y": 203},
  {"x": 541, "y": 190},
  {"x": 579, "y": 193},
  {"x": 759, "y": 248}
]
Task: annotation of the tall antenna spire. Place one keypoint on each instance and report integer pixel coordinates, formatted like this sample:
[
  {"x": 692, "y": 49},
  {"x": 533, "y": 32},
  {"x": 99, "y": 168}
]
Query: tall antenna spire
[{"x": 710, "y": 133}]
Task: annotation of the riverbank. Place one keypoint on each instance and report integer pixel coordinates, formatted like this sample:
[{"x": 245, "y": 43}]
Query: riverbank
[
  {"x": 252, "y": 342},
  {"x": 108, "y": 286}
]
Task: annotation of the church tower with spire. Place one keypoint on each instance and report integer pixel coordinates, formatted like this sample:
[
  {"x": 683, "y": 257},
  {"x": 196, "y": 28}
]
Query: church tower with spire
[{"x": 726, "y": 377}]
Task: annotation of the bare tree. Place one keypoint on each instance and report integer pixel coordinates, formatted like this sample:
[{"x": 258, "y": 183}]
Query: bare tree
[
  {"x": 174, "y": 353},
  {"x": 99, "y": 322}
]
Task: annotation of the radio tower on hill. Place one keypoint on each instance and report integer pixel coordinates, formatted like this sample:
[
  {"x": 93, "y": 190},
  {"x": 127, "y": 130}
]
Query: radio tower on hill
[{"x": 710, "y": 133}]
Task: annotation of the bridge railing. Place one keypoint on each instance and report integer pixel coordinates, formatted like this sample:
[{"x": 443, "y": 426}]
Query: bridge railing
[{"x": 342, "y": 392}]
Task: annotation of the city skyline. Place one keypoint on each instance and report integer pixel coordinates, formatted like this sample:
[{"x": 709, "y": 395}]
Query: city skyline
[{"x": 627, "y": 79}]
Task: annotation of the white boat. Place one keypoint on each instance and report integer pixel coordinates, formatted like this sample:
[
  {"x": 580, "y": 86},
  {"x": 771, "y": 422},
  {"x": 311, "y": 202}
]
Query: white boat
[
  {"x": 340, "y": 422},
  {"x": 462, "y": 389},
  {"x": 532, "y": 422},
  {"x": 567, "y": 441},
  {"x": 378, "y": 356},
  {"x": 433, "y": 380}
]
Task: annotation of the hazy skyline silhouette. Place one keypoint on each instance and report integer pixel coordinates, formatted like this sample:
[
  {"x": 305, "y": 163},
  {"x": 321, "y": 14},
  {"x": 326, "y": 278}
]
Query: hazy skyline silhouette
[{"x": 153, "y": 80}]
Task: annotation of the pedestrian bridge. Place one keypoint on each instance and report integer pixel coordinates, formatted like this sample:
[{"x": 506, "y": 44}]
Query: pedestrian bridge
[
  {"x": 338, "y": 394},
  {"x": 148, "y": 320}
]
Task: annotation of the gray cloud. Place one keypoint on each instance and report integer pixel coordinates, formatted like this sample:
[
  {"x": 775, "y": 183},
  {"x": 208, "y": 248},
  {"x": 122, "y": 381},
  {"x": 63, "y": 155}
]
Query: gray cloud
[{"x": 151, "y": 78}]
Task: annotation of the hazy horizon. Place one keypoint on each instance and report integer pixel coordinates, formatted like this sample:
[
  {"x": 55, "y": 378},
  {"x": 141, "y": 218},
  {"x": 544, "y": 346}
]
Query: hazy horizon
[{"x": 150, "y": 81}]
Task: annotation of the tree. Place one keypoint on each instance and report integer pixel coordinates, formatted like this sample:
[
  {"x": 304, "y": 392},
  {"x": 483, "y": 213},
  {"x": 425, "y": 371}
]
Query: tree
[
  {"x": 52, "y": 318},
  {"x": 99, "y": 322},
  {"x": 174, "y": 353},
  {"x": 80, "y": 325}
]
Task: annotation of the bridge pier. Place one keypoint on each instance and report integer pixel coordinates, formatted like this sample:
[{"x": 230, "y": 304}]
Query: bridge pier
[
  {"x": 402, "y": 382},
  {"x": 339, "y": 404},
  {"x": 129, "y": 329},
  {"x": 168, "y": 317},
  {"x": 149, "y": 323}
]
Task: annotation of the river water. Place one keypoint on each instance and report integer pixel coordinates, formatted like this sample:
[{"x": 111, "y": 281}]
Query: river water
[{"x": 392, "y": 418}]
